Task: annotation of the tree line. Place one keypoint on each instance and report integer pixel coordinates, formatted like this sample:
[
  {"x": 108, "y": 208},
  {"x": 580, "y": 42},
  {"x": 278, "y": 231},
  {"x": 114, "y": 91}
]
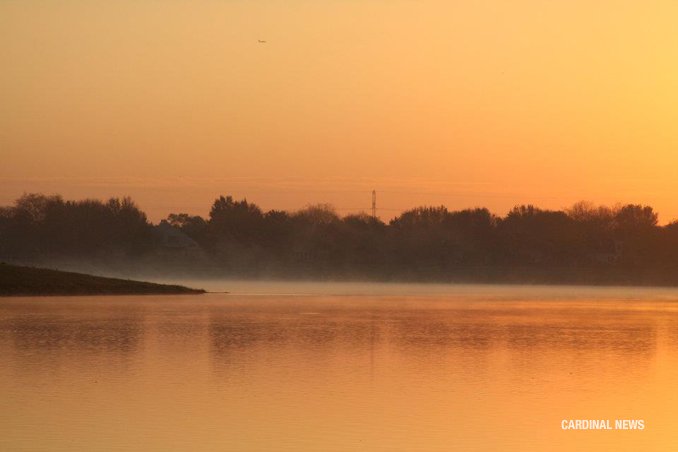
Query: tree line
[{"x": 239, "y": 237}]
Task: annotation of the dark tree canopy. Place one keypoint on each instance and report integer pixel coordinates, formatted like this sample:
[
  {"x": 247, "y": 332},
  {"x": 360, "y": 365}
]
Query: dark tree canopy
[
  {"x": 428, "y": 240},
  {"x": 48, "y": 225}
]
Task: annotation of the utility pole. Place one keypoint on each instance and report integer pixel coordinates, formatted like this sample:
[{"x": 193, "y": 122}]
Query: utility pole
[{"x": 374, "y": 204}]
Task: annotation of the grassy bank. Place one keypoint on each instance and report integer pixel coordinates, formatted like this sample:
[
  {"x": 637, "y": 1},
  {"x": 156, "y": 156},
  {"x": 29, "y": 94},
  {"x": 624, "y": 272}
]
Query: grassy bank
[{"x": 27, "y": 281}]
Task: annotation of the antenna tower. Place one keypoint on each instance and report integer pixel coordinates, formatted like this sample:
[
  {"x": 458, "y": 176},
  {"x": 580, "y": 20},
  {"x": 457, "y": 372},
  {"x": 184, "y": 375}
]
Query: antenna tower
[{"x": 374, "y": 204}]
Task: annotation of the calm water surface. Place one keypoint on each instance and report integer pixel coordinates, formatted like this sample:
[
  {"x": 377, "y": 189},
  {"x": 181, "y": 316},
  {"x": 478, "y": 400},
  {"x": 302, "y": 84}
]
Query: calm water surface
[{"x": 340, "y": 368}]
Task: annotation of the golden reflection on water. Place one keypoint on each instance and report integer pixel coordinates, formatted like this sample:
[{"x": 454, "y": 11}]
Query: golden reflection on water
[{"x": 336, "y": 373}]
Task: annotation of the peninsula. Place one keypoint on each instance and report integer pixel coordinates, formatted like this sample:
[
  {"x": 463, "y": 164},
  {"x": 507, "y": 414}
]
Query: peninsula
[{"x": 29, "y": 281}]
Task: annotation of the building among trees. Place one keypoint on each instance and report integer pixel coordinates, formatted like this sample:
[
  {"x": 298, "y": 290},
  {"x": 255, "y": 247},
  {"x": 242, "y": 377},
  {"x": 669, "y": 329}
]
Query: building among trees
[{"x": 171, "y": 242}]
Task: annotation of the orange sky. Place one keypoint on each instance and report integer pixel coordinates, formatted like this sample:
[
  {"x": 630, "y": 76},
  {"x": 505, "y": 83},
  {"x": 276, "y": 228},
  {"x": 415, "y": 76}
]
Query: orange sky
[{"x": 472, "y": 103}]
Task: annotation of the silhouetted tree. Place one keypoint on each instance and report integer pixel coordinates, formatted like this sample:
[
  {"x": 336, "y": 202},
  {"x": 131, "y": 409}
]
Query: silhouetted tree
[
  {"x": 636, "y": 227},
  {"x": 475, "y": 235},
  {"x": 363, "y": 242},
  {"x": 43, "y": 226},
  {"x": 237, "y": 221},
  {"x": 422, "y": 240},
  {"x": 534, "y": 236}
]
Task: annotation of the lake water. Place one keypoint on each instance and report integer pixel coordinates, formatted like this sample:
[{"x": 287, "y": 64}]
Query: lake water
[{"x": 348, "y": 367}]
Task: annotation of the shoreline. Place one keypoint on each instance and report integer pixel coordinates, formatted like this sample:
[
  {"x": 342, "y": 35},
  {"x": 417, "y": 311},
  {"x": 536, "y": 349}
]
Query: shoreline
[{"x": 18, "y": 281}]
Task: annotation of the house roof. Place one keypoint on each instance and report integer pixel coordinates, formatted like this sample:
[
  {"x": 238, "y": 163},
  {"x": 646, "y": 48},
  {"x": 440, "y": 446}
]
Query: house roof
[{"x": 171, "y": 237}]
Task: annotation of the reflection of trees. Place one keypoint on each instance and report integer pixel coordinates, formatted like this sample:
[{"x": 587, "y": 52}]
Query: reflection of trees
[
  {"x": 621, "y": 339},
  {"x": 180, "y": 329},
  {"x": 318, "y": 333},
  {"x": 430, "y": 331},
  {"x": 672, "y": 335},
  {"x": 239, "y": 332},
  {"x": 457, "y": 329},
  {"x": 109, "y": 335},
  {"x": 180, "y": 334}
]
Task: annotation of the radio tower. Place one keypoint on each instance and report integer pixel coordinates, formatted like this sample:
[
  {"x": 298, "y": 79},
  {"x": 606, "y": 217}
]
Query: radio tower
[{"x": 374, "y": 204}]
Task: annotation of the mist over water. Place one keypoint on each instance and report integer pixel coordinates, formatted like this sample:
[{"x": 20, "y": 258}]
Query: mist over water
[
  {"x": 339, "y": 367},
  {"x": 470, "y": 291}
]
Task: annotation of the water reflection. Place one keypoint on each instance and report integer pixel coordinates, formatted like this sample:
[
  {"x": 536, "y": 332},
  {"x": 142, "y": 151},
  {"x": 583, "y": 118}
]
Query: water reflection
[
  {"x": 229, "y": 332},
  {"x": 439, "y": 329},
  {"x": 109, "y": 335},
  {"x": 332, "y": 373},
  {"x": 425, "y": 332}
]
